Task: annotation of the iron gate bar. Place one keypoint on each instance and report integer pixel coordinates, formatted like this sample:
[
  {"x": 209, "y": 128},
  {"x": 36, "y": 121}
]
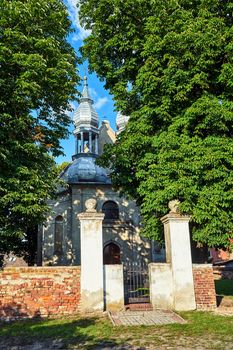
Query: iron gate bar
[{"x": 136, "y": 283}]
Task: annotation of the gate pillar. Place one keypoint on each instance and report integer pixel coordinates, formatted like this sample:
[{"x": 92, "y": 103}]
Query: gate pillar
[
  {"x": 178, "y": 254},
  {"x": 92, "y": 294}
]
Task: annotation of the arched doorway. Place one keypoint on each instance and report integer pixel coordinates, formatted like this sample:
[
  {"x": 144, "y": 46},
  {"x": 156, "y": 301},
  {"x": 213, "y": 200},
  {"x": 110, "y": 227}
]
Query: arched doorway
[{"x": 111, "y": 254}]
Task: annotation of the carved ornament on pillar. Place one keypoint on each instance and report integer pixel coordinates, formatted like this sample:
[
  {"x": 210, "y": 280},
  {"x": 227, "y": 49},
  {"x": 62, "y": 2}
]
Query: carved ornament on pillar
[
  {"x": 174, "y": 212},
  {"x": 174, "y": 206},
  {"x": 90, "y": 213},
  {"x": 90, "y": 205}
]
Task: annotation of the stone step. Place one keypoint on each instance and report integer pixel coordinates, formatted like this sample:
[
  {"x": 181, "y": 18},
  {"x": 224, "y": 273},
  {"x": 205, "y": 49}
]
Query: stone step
[{"x": 139, "y": 307}]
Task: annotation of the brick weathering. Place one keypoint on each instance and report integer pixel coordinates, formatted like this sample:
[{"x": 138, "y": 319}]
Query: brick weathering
[
  {"x": 27, "y": 292},
  {"x": 204, "y": 286}
]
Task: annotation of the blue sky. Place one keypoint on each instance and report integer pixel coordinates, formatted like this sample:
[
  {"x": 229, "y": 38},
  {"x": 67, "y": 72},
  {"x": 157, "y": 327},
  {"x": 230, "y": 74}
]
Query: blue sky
[{"x": 103, "y": 101}]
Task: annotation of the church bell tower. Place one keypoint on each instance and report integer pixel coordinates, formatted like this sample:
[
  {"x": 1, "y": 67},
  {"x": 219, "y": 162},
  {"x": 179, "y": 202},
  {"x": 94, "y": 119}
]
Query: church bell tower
[{"x": 86, "y": 123}]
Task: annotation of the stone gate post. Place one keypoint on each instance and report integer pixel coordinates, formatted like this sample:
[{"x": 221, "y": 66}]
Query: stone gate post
[
  {"x": 92, "y": 294},
  {"x": 178, "y": 254}
]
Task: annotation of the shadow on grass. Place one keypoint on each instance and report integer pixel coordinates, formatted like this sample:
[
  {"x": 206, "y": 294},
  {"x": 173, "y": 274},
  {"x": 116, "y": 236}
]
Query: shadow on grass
[
  {"x": 86, "y": 333},
  {"x": 83, "y": 333}
]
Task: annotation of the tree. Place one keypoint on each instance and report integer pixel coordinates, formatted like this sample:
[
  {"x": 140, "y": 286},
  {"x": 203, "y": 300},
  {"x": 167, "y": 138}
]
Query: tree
[
  {"x": 61, "y": 167},
  {"x": 169, "y": 65},
  {"x": 37, "y": 79}
]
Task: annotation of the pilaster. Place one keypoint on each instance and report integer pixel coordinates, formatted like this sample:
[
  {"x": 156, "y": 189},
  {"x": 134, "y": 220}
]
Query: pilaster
[{"x": 178, "y": 254}]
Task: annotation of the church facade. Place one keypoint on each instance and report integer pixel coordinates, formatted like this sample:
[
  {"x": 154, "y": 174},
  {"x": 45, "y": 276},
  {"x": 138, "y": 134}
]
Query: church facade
[{"x": 59, "y": 237}]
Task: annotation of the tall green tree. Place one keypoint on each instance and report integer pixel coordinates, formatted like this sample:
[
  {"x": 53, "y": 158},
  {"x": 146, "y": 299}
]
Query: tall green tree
[
  {"x": 37, "y": 79},
  {"x": 169, "y": 65}
]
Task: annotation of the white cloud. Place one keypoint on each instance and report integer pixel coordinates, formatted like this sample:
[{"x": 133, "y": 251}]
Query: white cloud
[
  {"x": 74, "y": 15},
  {"x": 75, "y": 37},
  {"x": 101, "y": 101},
  {"x": 72, "y": 105},
  {"x": 92, "y": 92}
]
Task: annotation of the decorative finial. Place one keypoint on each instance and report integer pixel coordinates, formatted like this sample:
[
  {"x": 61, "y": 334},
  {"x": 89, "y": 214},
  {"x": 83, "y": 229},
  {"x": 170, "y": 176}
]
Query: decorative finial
[
  {"x": 174, "y": 206},
  {"x": 85, "y": 92},
  {"x": 90, "y": 205}
]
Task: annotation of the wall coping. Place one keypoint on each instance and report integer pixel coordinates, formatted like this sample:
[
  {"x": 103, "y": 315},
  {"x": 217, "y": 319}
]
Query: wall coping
[
  {"x": 202, "y": 266},
  {"x": 38, "y": 268},
  {"x": 159, "y": 264},
  {"x": 90, "y": 216},
  {"x": 175, "y": 217}
]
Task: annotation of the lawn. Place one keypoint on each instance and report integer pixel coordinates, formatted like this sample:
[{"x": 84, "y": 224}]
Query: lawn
[
  {"x": 224, "y": 288},
  {"x": 208, "y": 330}
]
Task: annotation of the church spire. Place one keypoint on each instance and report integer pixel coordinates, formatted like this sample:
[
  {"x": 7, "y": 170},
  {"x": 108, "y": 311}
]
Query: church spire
[
  {"x": 86, "y": 122},
  {"x": 86, "y": 116}
]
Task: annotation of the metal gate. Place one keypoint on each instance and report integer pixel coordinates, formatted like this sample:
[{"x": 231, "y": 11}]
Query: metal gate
[{"x": 136, "y": 283}]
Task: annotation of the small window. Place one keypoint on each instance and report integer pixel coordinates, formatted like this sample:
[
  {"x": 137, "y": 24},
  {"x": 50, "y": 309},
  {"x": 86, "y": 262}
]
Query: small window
[
  {"x": 111, "y": 210},
  {"x": 58, "y": 237},
  {"x": 111, "y": 254}
]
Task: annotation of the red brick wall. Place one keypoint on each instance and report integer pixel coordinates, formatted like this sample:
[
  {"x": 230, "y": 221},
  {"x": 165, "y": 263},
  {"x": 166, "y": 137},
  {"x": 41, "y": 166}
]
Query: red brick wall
[
  {"x": 27, "y": 292},
  {"x": 204, "y": 286}
]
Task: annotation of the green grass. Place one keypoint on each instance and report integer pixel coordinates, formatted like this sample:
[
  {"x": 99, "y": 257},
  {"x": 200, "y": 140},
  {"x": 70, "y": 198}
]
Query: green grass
[
  {"x": 224, "y": 287},
  {"x": 90, "y": 332}
]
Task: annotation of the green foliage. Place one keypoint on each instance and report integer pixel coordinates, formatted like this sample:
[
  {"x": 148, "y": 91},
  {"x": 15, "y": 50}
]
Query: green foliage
[
  {"x": 37, "y": 80},
  {"x": 62, "y": 166},
  {"x": 169, "y": 65}
]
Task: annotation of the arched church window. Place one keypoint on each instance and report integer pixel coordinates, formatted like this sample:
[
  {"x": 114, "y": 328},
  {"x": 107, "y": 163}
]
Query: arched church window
[
  {"x": 111, "y": 210},
  {"x": 112, "y": 254},
  {"x": 58, "y": 237}
]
